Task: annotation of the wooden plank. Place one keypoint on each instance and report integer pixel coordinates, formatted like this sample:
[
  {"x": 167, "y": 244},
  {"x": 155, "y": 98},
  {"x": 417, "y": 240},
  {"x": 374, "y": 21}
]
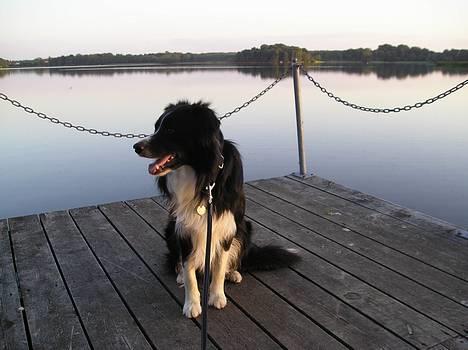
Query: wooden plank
[
  {"x": 378, "y": 306},
  {"x": 445, "y": 311},
  {"x": 425, "y": 222},
  {"x": 108, "y": 322},
  {"x": 336, "y": 316},
  {"x": 289, "y": 326},
  {"x": 458, "y": 343},
  {"x": 339, "y": 318},
  {"x": 154, "y": 307},
  {"x": 12, "y": 330},
  {"x": 306, "y": 332},
  {"x": 427, "y": 275},
  {"x": 229, "y": 328},
  {"x": 272, "y": 312},
  {"x": 52, "y": 319},
  {"x": 441, "y": 253}
]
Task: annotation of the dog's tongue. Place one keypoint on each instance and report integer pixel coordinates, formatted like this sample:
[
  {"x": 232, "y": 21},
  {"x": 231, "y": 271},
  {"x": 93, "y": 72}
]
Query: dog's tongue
[{"x": 156, "y": 166}]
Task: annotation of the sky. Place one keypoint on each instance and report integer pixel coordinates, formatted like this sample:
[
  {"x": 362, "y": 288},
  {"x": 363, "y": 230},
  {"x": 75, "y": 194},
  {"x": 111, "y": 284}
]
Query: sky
[{"x": 42, "y": 28}]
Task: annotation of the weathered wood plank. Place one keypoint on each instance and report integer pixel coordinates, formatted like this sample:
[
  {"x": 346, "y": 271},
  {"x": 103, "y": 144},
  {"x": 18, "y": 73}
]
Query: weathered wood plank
[
  {"x": 458, "y": 343},
  {"x": 273, "y": 314},
  {"x": 151, "y": 248},
  {"x": 229, "y": 328},
  {"x": 378, "y": 306},
  {"x": 302, "y": 334},
  {"x": 106, "y": 318},
  {"x": 339, "y": 318},
  {"x": 374, "y": 275},
  {"x": 52, "y": 319},
  {"x": 12, "y": 330},
  {"x": 445, "y": 311},
  {"x": 250, "y": 301},
  {"x": 441, "y": 253},
  {"x": 427, "y": 275},
  {"x": 425, "y": 222},
  {"x": 155, "y": 308}
]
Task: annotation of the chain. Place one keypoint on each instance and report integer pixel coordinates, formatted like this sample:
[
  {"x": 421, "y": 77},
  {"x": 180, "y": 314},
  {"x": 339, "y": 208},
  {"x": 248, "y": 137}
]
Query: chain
[
  {"x": 256, "y": 97},
  {"x": 68, "y": 124},
  {"x": 385, "y": 110},
  {"x": 118, "y": 134}
]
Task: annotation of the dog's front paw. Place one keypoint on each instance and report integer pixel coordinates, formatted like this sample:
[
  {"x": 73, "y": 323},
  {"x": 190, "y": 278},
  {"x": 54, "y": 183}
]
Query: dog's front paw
[
  {"x": 192, "y": 309},
  {"x": 234, "y": 277},
  {"x": 219, "y": 301}
]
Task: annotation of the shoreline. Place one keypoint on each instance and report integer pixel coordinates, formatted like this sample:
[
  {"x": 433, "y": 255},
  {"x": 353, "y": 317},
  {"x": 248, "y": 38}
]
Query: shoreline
[{"x": 227, "y": 65}]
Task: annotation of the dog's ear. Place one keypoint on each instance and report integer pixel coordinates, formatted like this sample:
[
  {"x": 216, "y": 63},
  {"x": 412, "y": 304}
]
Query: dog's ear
[
  {"x": 209, "y": 160},
  {"x": 211, "y": 139},
  {"x": 212, "y": 149},
  {"x": 210, "y": 143}
]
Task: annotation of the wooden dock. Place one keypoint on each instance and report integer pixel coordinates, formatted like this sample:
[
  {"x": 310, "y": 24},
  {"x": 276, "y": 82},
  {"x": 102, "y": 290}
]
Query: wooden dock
[{"x": 374, "y": 276}]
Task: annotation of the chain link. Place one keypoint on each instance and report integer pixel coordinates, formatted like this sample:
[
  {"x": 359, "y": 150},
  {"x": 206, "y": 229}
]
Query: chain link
[
  {"x": 130, "y": 135},
  {"x": 256, "y": 97},
  {"x": 384, "y": 110},
  {"x": 68, "y": 124}
]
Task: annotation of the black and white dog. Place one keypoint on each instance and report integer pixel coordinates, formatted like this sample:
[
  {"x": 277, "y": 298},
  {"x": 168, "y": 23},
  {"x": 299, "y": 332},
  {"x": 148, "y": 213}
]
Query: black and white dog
[{"x": 190, "y": 153}]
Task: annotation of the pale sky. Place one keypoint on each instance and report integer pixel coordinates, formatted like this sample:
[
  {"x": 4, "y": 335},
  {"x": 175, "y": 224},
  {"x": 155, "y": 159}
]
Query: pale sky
[{"x": 42, "y": 28}]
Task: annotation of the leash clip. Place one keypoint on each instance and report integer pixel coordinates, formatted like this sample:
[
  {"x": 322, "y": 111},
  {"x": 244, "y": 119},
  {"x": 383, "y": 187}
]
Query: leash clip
[
  {"x": 210, "y": 195},
  {"x": 201, "y": 209}
]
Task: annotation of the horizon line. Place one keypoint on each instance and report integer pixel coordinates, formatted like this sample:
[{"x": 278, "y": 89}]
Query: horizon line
[{"x": 223, "y": 52}]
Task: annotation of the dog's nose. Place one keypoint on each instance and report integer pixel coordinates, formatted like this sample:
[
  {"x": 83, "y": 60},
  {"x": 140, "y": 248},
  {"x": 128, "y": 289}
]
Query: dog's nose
[{"x": 138, "y": 147}]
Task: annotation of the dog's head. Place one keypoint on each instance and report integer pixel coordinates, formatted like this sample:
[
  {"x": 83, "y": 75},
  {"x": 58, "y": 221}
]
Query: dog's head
[{"x": 184, "y": 134}]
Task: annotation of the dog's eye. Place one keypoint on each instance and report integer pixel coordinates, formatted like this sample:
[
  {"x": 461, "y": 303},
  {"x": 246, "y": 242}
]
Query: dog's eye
[{"x": 170, "y": 131}]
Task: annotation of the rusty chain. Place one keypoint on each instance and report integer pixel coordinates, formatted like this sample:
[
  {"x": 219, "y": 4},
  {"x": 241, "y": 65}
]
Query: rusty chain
[
  {"x": 384, "y": 110},
  {"x": 129, "y": 135}
]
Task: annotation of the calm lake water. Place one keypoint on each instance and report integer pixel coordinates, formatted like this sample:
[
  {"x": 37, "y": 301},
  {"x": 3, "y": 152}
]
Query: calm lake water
[{"x": 417, "y": 159}]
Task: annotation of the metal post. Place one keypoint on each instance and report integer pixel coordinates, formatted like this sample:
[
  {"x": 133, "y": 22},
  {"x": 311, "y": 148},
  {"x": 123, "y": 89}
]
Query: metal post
[{"x": 300, "y": 134}]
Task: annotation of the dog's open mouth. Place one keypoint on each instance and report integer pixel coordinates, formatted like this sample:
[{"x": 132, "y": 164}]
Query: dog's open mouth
[{"x": 161, "y": 164}]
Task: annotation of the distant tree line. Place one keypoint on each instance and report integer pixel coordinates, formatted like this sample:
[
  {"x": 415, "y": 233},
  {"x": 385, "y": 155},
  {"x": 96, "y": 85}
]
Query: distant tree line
[
  {"x": 272, "y": 55},
  {"x": 3, "y": 63},
  {"x": 275, "y": 55},
  {"x": 390, "y": 53},
  {"x": 110, "y": 59}
]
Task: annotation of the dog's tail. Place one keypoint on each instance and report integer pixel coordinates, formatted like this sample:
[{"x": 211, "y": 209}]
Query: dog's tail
[{"x": 268, "y": 257}]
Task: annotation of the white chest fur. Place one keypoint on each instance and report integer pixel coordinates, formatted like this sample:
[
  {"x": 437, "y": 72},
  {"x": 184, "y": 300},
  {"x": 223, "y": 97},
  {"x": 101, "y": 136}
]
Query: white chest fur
[{"x": 181, "y": 184}]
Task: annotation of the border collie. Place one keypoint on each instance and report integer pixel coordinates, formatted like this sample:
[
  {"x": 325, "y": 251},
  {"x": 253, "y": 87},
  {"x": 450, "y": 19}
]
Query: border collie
[{"x": 190, "y": 153}]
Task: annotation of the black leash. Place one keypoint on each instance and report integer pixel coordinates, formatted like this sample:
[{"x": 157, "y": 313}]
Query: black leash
[{"x": 206, "y": 276}]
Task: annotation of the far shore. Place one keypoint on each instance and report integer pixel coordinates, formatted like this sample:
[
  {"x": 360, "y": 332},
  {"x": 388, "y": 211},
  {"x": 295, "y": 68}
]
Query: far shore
[{"x": 233, "y": 65}]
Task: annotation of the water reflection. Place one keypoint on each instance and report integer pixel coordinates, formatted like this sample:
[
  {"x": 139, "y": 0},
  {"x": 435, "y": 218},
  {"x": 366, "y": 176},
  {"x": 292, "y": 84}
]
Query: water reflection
[
  {"x": 395, "y": 70},
  {"x": 417, "y": 159},
  {"x": 381, "y": 71}
]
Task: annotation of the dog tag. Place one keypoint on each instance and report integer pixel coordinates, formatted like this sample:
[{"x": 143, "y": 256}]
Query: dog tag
[{"x": 201, "y": 210}]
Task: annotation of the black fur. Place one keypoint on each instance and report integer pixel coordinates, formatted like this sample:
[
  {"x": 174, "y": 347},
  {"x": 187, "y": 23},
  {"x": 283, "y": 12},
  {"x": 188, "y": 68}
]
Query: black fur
[
  {"x": 192, "y": 133},
  {"x": 269, "y": 257}
]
